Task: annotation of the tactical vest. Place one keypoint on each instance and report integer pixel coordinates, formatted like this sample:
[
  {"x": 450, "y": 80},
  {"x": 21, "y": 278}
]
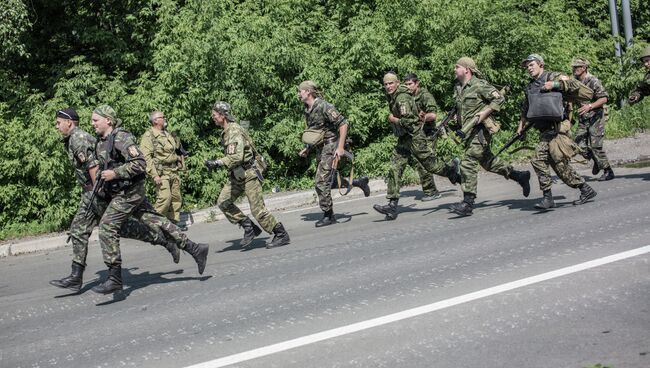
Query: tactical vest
[{"x": 114, "y": 161}]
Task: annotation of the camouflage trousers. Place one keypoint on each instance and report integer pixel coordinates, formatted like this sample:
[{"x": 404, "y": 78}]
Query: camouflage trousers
[
  {"x": 542, "y": 162},
  {"x": 323, "y": 178},
  {"x": 478, "y": 155},
  {"x": 590, "y": 136},
  {"x": 122, "y": 206},
  {"x": 168, "y": 196},
  {"x": 426, "y": 180},
  {"x": 416, "y": 149},
  {"x": 252, "y": 188}
]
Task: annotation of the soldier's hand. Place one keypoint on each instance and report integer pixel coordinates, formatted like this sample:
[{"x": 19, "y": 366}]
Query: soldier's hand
[
  {"x": 633, "y": 99},
  {"x": 108, "y": 175},
  {"x": 547, "y": 86},
  {"x": 584, "y": 109},
  {"x": 303, "y": 153},
  {"x": 213, "y": 164},
  {"x": 157, "y": 180},
  {"x": 393, "y": 119}
]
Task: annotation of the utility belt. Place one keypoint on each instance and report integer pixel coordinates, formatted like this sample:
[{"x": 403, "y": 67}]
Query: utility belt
[
  {"x": 328, "y": 141},
  {"x": 119, "y": 186},
  {"x": 248, "y": 165}
]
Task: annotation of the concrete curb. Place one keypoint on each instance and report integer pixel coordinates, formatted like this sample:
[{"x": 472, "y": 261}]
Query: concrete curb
[{"x": 274, "y": 202}]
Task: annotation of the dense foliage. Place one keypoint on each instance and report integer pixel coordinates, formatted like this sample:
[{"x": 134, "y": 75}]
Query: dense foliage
[{"x": 180, "y": 56}]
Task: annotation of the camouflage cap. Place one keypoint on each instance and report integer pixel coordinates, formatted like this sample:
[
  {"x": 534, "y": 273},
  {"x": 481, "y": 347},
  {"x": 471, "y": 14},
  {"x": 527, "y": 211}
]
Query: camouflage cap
[
  {"x": 109, "y": 113},
  {"x": 467, "y": 62},
  {"x": 579, "y": 62},
  {"x": 532, "y": 57},
  {"x": 223, "y": 107},
  {"x": 645, "y": 53}
]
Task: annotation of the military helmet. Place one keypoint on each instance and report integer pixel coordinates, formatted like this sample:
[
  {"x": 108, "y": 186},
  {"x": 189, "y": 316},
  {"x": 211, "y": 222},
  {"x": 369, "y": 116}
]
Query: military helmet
[{"x": 645, "y": 52}]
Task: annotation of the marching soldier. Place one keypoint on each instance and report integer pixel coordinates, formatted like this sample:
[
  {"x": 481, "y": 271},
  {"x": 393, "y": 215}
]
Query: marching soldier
[
  {"x": 427, "y": 107},
  {"x": 323, "y": 121},
  {"x": 161, "y": 150},
  {"x": 476, "y": 99},
  {"x": 546, "y": 111},
  {"x": 411, "y": 142},
  {"x": 245, "y": 177},
  {"x": 591, "y": 121},
  {"x": 122, "y": 170}
]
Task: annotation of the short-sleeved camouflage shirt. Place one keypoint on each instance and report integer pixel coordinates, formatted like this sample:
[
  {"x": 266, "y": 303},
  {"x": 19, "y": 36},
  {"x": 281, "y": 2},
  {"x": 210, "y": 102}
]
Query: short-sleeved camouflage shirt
[
  {"x": 80, "y": 147},
  {"x": 324, "y": 116}
]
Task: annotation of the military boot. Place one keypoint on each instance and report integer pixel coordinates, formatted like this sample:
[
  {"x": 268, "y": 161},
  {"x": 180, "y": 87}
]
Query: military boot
[
  {"x": 199, "y": 252},
  {"x": 523, "y": 178},
  {"x": 280, "y": 238},
  {"x": 466, "y": 206},
  {"x": 608, "y": 174},
  {"x": 328, "y": 219},
  {"x": 113, "y": 283},
  {"x": 547, "y": 201},
  {"x": 596, "y": 169},
  {"x": 72, "y": 282},
  {"x": 586, "y": 193},
  {"x": 430, "y": 197},
  {"x": 173, "y": 250},
  {"x": 362, "y": 183},
  {"x": 454, "y": 171},
  {"x": 250, "y": 232},
  {"x": 390, "y": 209}
]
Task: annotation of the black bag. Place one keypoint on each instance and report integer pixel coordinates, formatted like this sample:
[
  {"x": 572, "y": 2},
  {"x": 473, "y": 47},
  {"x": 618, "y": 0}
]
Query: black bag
[{"x": 543, "y": 106}]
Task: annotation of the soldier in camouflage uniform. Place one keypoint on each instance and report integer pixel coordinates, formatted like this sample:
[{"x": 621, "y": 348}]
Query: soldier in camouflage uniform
[
  {"x": 427, "y": 107},
  {"x": 643, "y": 89},
  {"x": 543, "y": 81},
  {"x": 161, "y": 151},
  {"x": 323, "y": 116},
  {"x": 476, "y": 99},
  {"x": 591, "y": 121},
  {"x": 244, "y": 178},
  {"x": 123, "y": 169},
  {"x": 411, "y": 142},
  {"x": 80, "y": 147}
]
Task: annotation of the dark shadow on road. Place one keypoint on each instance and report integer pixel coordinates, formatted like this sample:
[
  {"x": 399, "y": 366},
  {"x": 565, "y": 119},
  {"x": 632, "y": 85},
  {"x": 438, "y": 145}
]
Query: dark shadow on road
[
  {"x": 134, "y": 282},
  {"x": 346, "y": 217},
  {"x": 645, "y": 176},
  {"x": 234, "y": 245}
]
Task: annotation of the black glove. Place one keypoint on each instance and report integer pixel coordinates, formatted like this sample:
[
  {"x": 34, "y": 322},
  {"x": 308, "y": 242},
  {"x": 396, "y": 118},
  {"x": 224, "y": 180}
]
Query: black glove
[{"x": 213, "y": 164}]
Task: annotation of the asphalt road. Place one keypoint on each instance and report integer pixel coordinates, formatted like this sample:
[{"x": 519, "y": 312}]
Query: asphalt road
[{"x": 362, "y": 269}]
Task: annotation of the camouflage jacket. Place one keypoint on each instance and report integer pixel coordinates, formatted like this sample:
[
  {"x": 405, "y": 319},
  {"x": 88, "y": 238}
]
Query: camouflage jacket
[
  {"x": 643, "y": 88},
  {"x": 237, "y": 146},
  {"x": 324, "y": 116},
  {"x": 159, "y": 149},
  {"x": 81, "y": 152},
  {"x": 126, "y": 159},
  {"x": 425, "y": 101},
  {"x": 402, "y": 105},
  {"x": 473, "y": 97},
  {"x": 599, "y": 92}
]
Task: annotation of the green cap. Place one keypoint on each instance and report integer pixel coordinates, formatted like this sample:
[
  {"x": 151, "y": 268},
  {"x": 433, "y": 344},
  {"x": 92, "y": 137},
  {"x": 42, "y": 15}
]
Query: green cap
[
  {"x": 579, "y": 62},
  {"x": 645, "y": 52},
  {"x": 109, "y": 113},
  {"x": 532, "y": 57}
]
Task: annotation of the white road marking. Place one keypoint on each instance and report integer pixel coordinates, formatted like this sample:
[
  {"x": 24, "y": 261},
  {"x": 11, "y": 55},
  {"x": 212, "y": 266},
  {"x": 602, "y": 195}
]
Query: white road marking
[
  {"x": 336, "y": 202},
  {"x": 409, "y": 313}
]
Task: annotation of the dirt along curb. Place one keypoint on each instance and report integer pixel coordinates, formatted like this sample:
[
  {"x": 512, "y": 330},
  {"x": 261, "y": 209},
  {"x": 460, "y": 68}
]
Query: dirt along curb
[{"x": 619, "y": 151}]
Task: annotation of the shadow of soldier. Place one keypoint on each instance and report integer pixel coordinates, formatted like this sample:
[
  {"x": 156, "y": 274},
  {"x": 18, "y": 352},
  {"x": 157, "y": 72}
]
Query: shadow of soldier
[
  {"x": 133, "y": 282},
  {"x": 341, "y": 218},
  {"x": 235, "y": 244}
]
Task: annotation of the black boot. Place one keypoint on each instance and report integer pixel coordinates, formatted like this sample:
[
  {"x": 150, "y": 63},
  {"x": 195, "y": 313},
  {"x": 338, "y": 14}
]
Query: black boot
[
  {"x": 328, "y": 219},
  {"x": 113, "y": 283},
  {"x": 173, "y": 250},
  {"x": 250, "y": 232},
  {"x": 596, "y": 169},
  {"x": 281, "y": 237},
  {"x": 586, "y": 193},
  {"x": 390, "y": 209},
  {"x": 199, "y": 252},
  {"x": 523, "y": 178},
  {"x": 72, "y": 282},
  {"x": 454, "y": 171},
  {"x": 608, "y": 174},
  {"x": 466, "y": 206},
  {"x": 547, "y": 201},
  {"x": 362, "y": 183}
]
